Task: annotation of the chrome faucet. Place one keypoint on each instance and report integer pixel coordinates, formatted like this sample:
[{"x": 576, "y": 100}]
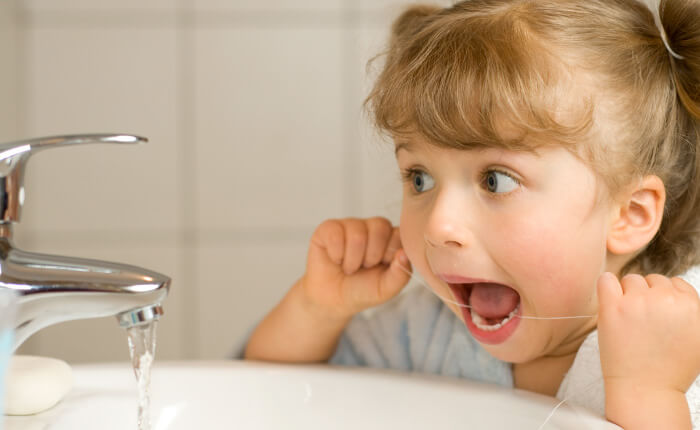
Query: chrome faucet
[{"x": 53, "y": 289}]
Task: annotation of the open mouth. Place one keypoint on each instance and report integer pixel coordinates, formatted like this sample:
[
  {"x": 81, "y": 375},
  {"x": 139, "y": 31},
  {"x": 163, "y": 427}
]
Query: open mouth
[
  {"x": 492, "y": 324},
  {"x": 489, "y": 310}
]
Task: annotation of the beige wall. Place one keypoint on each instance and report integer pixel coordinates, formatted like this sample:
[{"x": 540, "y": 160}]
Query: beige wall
[
  {"x": 253, "y": 113},
  {"x": 9, "y": 73}
]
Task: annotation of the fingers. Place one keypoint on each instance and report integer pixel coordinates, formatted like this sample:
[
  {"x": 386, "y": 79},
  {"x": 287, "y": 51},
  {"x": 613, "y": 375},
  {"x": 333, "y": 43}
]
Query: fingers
[
  {"x": 356, "y": 240},
  {"x": 379, "y": 232},
  {"x": 329, "y": 239},
  {"x": 393, "y": 246},
  {"x": 630, "y": 284},
  {"x": 683, "y": 287},
  {"x": 633, "y": 283},
  {"x": 609, "y": 288},
  {"x": 356, "y": 243}
]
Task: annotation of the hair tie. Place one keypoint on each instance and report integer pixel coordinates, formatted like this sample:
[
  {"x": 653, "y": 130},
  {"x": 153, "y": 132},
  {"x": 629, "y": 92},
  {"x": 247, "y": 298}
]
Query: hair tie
[{"x": 654, "y": 6}]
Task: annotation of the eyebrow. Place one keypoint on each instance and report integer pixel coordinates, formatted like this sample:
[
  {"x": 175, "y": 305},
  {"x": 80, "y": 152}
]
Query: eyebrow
[
  {"x": 406, "y": 146},
  {"x": 410, "y": 146}
]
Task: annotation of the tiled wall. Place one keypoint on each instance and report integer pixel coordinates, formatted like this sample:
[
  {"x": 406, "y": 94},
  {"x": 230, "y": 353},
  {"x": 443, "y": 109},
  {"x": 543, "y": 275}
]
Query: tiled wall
[
  {"x": 253, "y": 113},
  {"x": 9, "y": 51}
]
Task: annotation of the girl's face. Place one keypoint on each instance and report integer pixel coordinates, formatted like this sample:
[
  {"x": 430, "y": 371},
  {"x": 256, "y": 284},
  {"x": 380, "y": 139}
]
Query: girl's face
[{"x": 510, "y": 234}]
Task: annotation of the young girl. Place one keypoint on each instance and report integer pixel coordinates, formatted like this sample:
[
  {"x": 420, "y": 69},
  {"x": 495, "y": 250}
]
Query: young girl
[{"x": 550, "y": 151}]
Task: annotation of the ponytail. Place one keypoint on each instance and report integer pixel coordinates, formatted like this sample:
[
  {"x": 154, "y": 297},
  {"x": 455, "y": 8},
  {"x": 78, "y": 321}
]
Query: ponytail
[
  {"x": 681, "y": 21},
  {"x": 676, "y": 246}
]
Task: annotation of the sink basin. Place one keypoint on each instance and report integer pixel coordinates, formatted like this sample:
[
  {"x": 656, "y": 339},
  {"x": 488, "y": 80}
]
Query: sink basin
[{"x": 247, "y": 395}]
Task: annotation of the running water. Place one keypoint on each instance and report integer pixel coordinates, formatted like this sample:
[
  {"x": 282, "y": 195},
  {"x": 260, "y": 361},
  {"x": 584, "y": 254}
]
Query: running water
[{"x": 142, "y": 347}]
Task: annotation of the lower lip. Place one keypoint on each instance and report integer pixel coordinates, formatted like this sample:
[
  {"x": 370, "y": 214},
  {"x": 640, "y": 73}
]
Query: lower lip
[{"x": 491, "y": 337}]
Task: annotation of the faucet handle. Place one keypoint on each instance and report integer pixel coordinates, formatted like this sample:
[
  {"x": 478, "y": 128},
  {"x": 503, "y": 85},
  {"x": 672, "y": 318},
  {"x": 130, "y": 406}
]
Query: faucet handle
[{"x": 14, "y": 155}]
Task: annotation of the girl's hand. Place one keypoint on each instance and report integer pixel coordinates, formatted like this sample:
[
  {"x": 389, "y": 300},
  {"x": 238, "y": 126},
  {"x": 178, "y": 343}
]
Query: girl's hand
[
  {"x": 353, "y": 264},
  {"x": 648, "y": 333}
]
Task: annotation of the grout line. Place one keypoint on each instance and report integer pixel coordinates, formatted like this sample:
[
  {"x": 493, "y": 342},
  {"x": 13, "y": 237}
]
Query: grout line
[
  {"x": 293, "y": 19},
  {"x": 102, "y": 19},
  {"x": 24, "y": 69},
  {"x": 352, "y": 201},
  {"x": 250, "y": 237},
  {"x": 184, "y": 238},
  {"x": 33, "y": 344},
  {"x": 95, "y": 238},
  {"x": 188, "y": 175},
  {"x": 167, "y": 18},
  {"x": 150, "y": 235},
  {"x": 17, "y": 97},
  {"x": 150, "y": 18}
]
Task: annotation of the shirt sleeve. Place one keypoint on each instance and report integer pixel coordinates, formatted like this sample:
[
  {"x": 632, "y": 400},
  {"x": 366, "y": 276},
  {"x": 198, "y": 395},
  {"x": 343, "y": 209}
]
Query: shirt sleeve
[
  {"x": 416, "y": 332},
  {"x": 693, "y": 397},
  {"x": 583, "y": 384},
  {"x": 383, "y": 337}
]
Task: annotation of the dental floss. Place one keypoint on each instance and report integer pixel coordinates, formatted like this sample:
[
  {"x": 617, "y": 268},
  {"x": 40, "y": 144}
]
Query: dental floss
[{"x": 551, "y": 413}]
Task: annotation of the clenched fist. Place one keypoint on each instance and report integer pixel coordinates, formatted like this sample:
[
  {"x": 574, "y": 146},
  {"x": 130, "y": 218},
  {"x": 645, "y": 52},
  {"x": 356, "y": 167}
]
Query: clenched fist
[{"x": 354, "y": 264}]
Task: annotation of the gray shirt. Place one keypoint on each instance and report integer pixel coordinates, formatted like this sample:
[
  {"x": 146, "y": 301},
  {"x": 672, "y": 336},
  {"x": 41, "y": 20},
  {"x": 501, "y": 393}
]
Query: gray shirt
[{"x": 418, "y": 332}]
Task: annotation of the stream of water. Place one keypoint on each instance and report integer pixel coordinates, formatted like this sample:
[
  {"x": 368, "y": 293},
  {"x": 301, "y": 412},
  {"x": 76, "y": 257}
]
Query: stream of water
[{"x": 142, "y": 347}]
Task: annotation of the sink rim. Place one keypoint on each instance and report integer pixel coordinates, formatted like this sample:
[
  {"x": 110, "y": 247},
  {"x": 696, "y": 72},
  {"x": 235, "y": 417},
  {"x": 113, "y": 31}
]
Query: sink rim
[{"x": 86, "y": 383}]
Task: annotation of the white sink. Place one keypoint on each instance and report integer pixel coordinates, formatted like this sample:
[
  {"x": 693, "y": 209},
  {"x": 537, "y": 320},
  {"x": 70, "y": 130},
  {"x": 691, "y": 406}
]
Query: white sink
[{"x": 244, "y": 395}]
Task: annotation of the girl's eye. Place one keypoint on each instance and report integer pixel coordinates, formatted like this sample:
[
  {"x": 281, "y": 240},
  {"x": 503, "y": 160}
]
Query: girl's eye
[
  {"x": 499, "y": 182},
  {"x": 420, "y": 180}
]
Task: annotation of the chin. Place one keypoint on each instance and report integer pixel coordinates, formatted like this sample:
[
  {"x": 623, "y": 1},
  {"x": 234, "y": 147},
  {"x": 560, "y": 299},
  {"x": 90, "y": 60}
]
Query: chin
[
  {"x": 509, "y": 355},
  {"x": 520, "y": 348}
]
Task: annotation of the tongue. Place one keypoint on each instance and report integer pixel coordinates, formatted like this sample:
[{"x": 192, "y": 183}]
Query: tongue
[{"x": 493, "y": 300}]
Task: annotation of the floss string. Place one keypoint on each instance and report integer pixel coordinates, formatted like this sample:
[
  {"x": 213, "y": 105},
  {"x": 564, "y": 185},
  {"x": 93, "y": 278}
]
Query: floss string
[
  {"x": 551, "y": 414},
  {"x": 414, "y": 277},
  {"x": 553, "y": 411},
  {"x": 419, "y": 281}
]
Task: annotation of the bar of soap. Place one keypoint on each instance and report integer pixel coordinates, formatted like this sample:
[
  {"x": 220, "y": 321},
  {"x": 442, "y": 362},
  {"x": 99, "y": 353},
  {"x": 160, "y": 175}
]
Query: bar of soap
[{"x": 35, "y": 384}]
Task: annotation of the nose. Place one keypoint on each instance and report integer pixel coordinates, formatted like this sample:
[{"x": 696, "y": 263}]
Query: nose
[{"x": 448, "y": 221}]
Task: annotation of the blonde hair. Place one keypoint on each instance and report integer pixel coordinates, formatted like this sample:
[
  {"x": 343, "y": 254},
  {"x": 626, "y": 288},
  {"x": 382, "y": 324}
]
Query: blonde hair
[{"x": 496, "y": 73}]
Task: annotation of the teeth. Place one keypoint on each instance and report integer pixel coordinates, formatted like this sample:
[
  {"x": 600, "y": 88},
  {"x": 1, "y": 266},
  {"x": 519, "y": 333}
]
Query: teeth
[{"x": 483, "y": 325}]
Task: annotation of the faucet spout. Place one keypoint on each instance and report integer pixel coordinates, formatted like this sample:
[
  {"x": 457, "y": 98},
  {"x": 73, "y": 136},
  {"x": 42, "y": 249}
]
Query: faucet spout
[{"x": 53, "y": 289}]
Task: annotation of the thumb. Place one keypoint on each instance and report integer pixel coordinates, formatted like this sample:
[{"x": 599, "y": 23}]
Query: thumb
[{"x": 396, "y": 276}]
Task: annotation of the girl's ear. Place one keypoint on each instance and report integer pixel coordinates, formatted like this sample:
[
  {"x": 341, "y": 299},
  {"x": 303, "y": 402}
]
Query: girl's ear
[{"x": 638, "y": 218}]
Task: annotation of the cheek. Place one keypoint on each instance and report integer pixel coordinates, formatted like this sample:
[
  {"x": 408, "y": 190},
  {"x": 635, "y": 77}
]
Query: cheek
[
  {"x": 411, "y": 230},
  {"x": 549, "y": 254}
]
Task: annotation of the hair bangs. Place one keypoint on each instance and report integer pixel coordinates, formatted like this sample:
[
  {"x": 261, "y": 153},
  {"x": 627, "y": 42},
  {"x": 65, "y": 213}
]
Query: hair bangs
[{"x": 476, "y": 81}]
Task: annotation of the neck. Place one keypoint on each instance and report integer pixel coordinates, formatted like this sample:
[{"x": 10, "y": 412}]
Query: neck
[{"x": 545, "y": 374}]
